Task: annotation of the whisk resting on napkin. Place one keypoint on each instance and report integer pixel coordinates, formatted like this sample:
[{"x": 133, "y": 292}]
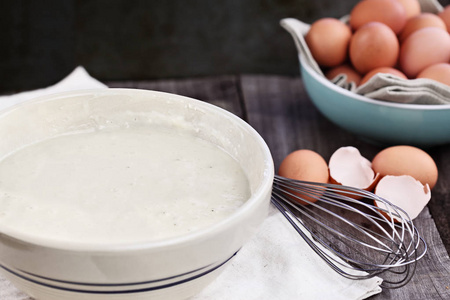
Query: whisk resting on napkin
[{"x": 352, "y": 229}]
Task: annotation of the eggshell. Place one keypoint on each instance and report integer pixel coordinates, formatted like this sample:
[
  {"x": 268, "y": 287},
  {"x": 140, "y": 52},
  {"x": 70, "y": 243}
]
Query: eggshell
[
  {"x": 374, "y": 45},
  {"x": 439, "y": 72},
  {"x": 406, "y": 160},
  {"x": 405, "y": 192},
  {"x": 348, "y": 167},
  {"x": 328, "y": 40},
  {"x": 386, "y": 70},
  {"x": 423, "y": 48},
  {"x": 421, "y": 21},
  {"x": 350, "y": 72},
  {"x": 305, "y": 165},
  {"x": 389, "y": 12},
  {"x": 445, "y": 16},
  {"x": 412, "y": 7}
]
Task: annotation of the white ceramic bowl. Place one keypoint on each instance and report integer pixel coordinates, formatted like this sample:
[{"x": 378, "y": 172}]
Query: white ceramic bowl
[{"x": 174, "y": 268}]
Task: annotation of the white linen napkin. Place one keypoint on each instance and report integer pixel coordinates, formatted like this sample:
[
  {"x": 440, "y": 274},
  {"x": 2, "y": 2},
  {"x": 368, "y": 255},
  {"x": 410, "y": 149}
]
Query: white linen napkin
[
  {"x": 278, "y": 264},
  {"x": 275, "y": 264}
]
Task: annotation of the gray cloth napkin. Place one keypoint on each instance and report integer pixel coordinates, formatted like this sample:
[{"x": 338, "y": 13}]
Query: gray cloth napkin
[
  {"x": 275, "y": 264},
  {"x": 431, "y": 6},
  {"x": 381, "y": 86},
  {"x": 298, "y": 30},
  {"x": 413, "y": 91}
]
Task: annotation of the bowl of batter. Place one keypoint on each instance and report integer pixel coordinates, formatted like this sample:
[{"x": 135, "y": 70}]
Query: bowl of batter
[{"x": 126, "y": 194}]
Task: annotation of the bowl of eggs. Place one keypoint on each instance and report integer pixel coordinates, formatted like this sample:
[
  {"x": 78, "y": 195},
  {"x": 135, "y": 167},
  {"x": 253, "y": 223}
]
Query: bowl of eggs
[
  {"x": 126, "y": 194},
  {"x": 393, "y": 58}
]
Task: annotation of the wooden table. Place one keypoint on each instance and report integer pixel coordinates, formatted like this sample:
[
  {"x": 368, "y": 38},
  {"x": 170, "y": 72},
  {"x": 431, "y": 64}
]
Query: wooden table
[{"x": 279, "y": 109}]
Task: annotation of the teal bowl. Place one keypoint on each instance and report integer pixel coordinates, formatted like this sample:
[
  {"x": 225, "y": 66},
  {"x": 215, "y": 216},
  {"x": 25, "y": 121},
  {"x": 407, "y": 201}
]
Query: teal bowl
[{"x": 380, "y": 122}]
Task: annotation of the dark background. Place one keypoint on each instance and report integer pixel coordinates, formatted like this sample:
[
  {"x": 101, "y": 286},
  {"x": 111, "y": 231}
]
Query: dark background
[{"x": 43, "y": 41}]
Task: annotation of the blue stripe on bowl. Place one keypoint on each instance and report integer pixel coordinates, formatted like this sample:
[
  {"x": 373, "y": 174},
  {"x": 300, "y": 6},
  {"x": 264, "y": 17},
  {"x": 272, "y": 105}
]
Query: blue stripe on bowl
[
  {"x": 138, "y": 290},
  {"x": 116, "y": 284}
]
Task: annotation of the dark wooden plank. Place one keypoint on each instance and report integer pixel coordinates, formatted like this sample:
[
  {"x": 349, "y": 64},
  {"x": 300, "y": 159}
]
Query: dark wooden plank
[
  {"x": 279, "y": 109},
  {"x": 440, "y": 200}
]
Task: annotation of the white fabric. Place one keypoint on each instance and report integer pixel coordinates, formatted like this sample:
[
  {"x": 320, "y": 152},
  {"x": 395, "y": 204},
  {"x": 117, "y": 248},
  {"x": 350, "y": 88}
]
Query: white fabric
[
  {"x": 275, "y": 264},
  {"x": 278, "y": 264}
]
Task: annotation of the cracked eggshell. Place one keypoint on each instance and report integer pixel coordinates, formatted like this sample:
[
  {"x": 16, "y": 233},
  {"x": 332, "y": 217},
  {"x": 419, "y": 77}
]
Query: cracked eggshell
[
  {"x": 405, "y": 192},
  {"x": 348, "y": 167}
]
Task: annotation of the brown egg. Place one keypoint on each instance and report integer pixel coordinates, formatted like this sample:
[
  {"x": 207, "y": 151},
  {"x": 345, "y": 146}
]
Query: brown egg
[
  {"x": 421, "y": 21},
  {"x": 386, "y": 70},
  {"x": 423, "y": 48},
  {"x": 389, "y": 12},
  {"x": 352, "y": 74},
  {"x": 304, "y": 165},
  {"x": 412, "y": 7},
  {"x": 439, "y": 72},
  {"x": 406, "y": 160},
  {"x": 445, "y": 16},
  {"x": 328, "y": 40},
  {"x": 374, "y": 45}
]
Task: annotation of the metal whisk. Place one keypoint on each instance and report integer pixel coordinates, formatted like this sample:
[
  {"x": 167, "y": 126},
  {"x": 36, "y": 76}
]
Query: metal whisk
[{"x": 354, "y": 237}]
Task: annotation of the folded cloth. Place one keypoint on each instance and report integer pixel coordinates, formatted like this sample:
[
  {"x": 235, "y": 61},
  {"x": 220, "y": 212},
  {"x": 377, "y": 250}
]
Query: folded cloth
[
  {"x": 342, "y": 81},
  {"x": 275, "y": 264},
  {"x": 298, "y": 30},
  {"x": 431, "y": 6},
  {"x": 414, "y": 91},
  {"x": 381, "y": 86}
]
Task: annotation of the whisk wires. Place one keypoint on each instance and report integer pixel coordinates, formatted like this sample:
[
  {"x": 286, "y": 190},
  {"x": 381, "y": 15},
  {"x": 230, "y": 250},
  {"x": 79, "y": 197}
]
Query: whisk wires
[{"x": 356, "y": 238}]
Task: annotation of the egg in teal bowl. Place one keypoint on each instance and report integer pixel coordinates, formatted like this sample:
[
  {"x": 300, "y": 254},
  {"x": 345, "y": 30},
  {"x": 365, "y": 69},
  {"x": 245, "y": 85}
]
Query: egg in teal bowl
[{"x": 377, "y": 121}]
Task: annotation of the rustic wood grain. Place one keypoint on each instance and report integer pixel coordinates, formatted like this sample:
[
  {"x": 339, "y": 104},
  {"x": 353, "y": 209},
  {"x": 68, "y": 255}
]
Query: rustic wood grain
[
  {"x": 279, "y": 109},
  {"x": 440, "y": 201}
]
